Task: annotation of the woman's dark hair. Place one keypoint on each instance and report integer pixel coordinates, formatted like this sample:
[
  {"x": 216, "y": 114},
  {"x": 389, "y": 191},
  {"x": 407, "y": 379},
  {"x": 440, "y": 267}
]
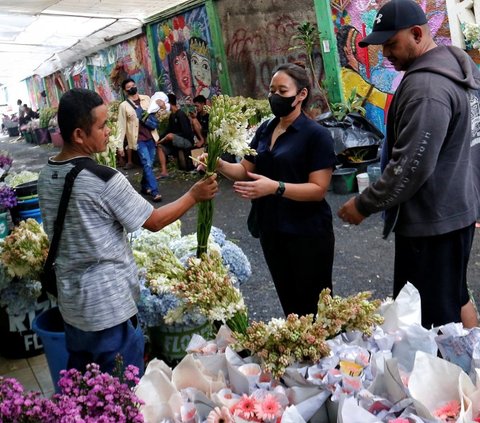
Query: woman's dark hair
[
  {"x": 75, "y": 111},
  {"x": 177, "y": 49},
  {"x": 298, "y": 73},
  {"x": 126, "y": 81}
]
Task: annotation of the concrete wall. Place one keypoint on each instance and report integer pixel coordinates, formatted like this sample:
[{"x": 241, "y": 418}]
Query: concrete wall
[{"x": 257, "y": 36}]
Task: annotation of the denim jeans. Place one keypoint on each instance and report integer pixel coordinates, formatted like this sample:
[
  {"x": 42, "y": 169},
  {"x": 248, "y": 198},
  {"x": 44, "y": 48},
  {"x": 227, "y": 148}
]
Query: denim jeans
[
  {"x": 146, "y": 152},
  {"x": 103, "y": 346}
]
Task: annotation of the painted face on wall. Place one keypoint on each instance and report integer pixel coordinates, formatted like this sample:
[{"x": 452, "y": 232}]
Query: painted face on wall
[
  {"x": 202, "y": 74},
  {"x": 181, "y": 68}
]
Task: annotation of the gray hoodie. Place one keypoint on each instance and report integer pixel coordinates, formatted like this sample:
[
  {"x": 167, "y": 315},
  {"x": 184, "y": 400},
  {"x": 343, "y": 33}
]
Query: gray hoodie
[{"x": 431, "y": 180}]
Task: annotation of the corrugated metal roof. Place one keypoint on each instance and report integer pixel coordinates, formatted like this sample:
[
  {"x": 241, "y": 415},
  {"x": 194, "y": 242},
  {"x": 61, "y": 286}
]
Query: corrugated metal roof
[{"x": 42, "y": 36}]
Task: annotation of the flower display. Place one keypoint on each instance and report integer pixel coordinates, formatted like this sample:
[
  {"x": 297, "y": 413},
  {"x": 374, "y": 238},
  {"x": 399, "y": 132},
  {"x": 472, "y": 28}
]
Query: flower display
[
  {"x": 25, "y": 250},
  {"x": 109, "y": 156},
  {"x": 8, "y": 198},
  {"x": 207, "y": 287},
  {"x": 227, "y": 133},
  {"x": 13, "y": 179},
  {"x": 164, "y": 258},
  {"x": 471, "y": 32},
  {"x": 282, "y": 342},
  {"x": 90, "y": 397}
]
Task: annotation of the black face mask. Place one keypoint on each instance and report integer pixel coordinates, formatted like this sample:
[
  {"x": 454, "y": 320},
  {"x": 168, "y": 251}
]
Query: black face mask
[
  {"x": 132, "y": 91},
  {"x": 281, "y": 106}
]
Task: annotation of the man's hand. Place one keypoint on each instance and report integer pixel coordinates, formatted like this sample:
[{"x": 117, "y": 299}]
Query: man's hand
[
  {"x": 349, "y": 213},
  {"x": 258, "y": 187},
  {"x": 205, "y": 189}
]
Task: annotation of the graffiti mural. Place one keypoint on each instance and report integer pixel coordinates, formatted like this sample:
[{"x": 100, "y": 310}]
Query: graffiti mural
[
  {"x": 55, "y": 86},
  {"x": 184, "y": 56},
  {"x": 260, "y": 35},
  {"x": 34, "y": 88},
  {"x": 110, "y": 66},
  {"x": 365, "y": 68},
  {"x": 77, "y": 74}
]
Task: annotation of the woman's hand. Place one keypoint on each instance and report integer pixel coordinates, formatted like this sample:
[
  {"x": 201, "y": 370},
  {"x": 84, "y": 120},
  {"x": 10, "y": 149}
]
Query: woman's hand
[{"x": 259, "y": 186}]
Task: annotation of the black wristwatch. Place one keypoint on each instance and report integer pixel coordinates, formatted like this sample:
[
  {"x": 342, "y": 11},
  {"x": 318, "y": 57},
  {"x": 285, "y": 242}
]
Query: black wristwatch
[{"x": 281, "y": 188}]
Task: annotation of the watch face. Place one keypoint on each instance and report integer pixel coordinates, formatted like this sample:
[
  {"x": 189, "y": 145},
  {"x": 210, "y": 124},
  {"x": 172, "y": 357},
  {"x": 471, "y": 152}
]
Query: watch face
[{"x": 280, "y": 189}]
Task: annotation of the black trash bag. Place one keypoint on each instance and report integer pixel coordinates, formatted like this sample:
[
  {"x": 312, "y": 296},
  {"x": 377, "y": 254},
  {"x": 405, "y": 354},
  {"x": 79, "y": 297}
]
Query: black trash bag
[{"x": 353, "y": 131}]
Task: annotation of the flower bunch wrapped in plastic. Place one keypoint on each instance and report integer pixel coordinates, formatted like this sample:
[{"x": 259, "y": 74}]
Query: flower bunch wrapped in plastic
[
  {"x": 282, "y": 342},
  {"x": 227, "y": 133},
  {"x": 471, "y": 32},
  {"x": 8, "y": 198},
  {"x": 25, "y": 250},
  {"x": 208, "y": 288},
  {"x": 90, "y": 397},
  {"x": 15, "y": 179},
  {"x": 109, "y": 156}
]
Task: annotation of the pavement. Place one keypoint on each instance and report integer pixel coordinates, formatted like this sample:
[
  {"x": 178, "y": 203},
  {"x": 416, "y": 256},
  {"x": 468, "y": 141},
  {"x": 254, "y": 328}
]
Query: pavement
[{"x": 363, "y": 260}]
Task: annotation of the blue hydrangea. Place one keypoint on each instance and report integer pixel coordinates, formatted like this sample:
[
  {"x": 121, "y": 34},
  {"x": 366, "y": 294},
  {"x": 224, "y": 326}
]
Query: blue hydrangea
[
  {"x": 218, "y": 236},
  {"x": 20, "y": 296},
  {"x": 236, "y": 260},
  {"x": 152, "y": 308}
]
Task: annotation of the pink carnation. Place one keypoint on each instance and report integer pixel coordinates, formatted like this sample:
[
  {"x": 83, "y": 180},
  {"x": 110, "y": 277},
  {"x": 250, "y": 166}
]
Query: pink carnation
[
  {"x": 269, "y": 408},
  {"x": 245, "y": 408},
  {"x": 219, "y": 415},
  {"x": 448, "y": 411}
]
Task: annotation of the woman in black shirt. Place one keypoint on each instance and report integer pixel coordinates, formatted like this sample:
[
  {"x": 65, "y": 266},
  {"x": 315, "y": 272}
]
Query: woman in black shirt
[{"x": 288, "y": 180}]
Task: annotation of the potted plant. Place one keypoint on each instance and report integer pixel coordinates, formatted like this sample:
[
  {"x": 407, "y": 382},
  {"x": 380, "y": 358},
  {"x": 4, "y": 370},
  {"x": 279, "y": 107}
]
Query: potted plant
[
  {"x": 22, "y": 255},
  {"x": 42, "y": 133}
]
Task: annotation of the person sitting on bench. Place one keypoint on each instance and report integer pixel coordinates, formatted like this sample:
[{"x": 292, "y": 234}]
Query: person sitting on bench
[{"x": 177, "y": 139}]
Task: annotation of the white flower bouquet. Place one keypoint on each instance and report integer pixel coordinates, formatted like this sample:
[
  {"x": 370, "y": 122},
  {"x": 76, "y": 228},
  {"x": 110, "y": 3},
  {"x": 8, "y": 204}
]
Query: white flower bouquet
[
  {"x": 165, "y": 259},
  {"x": 229, "y": 120}
]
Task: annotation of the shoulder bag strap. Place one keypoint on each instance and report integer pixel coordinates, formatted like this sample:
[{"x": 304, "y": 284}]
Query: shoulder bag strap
[{"x": 62, "y": 210}]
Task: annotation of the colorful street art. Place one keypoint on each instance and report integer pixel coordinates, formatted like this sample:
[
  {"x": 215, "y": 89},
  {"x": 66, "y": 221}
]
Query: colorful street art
[
  {"x": 184, "y": 56},
  {"x": 110, "y": 66},
  {"x": 366, "y": 69},
  {"x": 77, "y": 74},
  {"x": 55, "y": 86},
  {"x": 35, "y": 87}
]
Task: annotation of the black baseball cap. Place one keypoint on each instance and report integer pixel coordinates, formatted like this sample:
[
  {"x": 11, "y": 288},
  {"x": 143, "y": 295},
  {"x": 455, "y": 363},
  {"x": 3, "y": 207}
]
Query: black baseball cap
[{"x": 391, "y": 18}]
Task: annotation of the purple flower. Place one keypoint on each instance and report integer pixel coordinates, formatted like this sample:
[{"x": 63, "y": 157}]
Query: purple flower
[
  {"x": 8, "y": 198},
  {"x": 5, "y": 161},
  {"x": 91, "y": 397}
]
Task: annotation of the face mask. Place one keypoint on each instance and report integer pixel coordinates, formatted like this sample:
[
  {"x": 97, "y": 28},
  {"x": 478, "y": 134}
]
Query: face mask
[
  {"x": 132, "y": 91},
  {"x": 281, "y": 106}
]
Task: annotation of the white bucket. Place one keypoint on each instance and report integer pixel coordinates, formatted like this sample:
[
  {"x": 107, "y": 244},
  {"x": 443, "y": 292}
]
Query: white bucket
[{"x": 362, "y": 181}]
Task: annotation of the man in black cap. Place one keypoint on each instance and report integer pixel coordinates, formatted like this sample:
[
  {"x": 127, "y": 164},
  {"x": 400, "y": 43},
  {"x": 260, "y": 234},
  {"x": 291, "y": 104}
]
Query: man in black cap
[{"x": 430, "y": 160}]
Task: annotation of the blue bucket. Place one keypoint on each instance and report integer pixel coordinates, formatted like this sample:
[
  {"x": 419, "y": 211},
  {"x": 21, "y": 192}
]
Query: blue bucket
[
  {"x": 30, "y": 214},
  {"x": 49, "y": 327}
]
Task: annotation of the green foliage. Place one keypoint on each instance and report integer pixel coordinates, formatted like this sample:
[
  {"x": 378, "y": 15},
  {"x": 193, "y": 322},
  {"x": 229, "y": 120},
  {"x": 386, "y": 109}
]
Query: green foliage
[
  {"x": 307, "y": 38},
  {"x": 354, "y": 103},
  {"x": 45, "y": 115}
]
